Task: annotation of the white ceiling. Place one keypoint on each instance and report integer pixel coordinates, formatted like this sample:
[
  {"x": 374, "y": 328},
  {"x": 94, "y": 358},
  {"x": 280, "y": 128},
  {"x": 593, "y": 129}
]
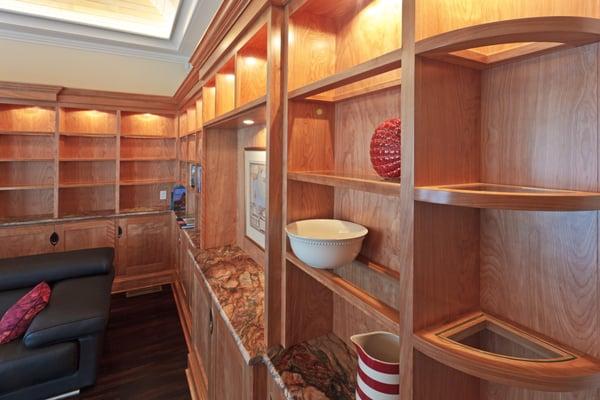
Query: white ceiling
[{"x": 163, "y": 30}]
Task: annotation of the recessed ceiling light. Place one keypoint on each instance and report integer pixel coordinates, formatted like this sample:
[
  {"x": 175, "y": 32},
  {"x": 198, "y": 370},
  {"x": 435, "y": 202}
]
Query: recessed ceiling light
[{"x": 248, "y": 122}]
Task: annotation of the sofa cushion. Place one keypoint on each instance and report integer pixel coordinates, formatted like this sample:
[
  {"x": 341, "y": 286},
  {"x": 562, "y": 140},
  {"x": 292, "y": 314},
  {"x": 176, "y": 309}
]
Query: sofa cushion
[
  {"x": 29, "y": 271},
  {"x": 10, "y": 297},
  {"x": 78, "y": 307},
  {"x": 22, "y": 367},
  {"x": 17, "y": 319}
]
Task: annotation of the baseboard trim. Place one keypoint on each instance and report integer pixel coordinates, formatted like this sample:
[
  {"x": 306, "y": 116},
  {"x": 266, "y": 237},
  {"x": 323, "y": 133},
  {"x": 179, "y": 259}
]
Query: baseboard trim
[{"x": 127, "y": 284}]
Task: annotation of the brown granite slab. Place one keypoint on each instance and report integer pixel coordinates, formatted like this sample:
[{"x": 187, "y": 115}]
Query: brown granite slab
[
  {"x": 236, "y": 283},
  {"x": 318, "y": 369}
]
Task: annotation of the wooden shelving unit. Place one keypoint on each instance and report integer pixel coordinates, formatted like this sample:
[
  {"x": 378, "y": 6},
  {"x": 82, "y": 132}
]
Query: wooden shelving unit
[
  {"x": 148, "y": 157},
  {"x": 367, "y": 183},
  {"x": 501, "y": 123},
  {"x": 87, "y": 152},
  {"x": 339, "y": 90},
  {"x": 508, "y": 197},
  {"x": 27, "y": 167},
  {"x": 495, "y": 350},
  {"x": 349, "y": 292}
]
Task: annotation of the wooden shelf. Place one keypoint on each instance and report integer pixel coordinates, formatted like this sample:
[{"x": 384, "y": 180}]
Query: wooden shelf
[
  {"x": 27, "y": 133},
  {"x": 376, "y": 66},
  {"x": 370, "y": 184},
  {"x": 146, "y": 182},
  {"x": 26, "y": 187},
  {"x": 156, "y": 137},
  {"x": 85, "y": 184},
  {"x": 482, "y": 195},
  {"x": 135, "y": 210},
  {"x": 540, "y": 364},
  {"x": 131, "y": 159},
  {"x": 254, "y": 110},
  {"x": 26, "y": 159},
  {"x": 346, "y": 290},
  {"x": 91, "y": 135},
  {"x": 26, "y": 218},
  {"x": 542, "y": 35},
  {"x": 90, "y": 213},
  {"x": 63, "y": 159}
]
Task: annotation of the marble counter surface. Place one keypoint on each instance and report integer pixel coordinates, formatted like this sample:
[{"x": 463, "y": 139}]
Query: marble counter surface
[
  {"x": 236, "y": 283},
  {"x": 318, "y": 369}
]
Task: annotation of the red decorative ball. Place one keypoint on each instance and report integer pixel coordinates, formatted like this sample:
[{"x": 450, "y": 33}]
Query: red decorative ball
[{"x": 386, "y": 149}]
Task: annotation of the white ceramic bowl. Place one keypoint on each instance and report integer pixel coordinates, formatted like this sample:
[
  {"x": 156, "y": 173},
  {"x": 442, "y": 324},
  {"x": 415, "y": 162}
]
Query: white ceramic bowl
[{"x": 326, "y": 243}]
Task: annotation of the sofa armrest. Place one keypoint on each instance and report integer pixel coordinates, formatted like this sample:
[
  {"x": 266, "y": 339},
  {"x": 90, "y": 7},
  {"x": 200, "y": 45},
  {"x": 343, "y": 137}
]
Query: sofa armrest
[{"x": 77, "y": 307}]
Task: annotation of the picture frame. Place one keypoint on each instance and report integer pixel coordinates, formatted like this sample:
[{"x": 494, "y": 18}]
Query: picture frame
[
  {"x": 192, "y": 176},
  {"x": 255, "y": 188}
]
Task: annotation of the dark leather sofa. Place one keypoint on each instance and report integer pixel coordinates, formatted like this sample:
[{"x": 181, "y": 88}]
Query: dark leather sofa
[{"x": 59, "y": 352}]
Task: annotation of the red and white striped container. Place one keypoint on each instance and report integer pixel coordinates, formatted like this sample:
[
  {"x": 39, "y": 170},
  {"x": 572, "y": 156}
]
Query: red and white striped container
[{"x": 378, "y": 376}]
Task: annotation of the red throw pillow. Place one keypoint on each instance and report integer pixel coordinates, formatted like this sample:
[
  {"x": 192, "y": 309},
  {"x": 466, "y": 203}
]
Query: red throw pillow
[{"x": 17, "y": 319}]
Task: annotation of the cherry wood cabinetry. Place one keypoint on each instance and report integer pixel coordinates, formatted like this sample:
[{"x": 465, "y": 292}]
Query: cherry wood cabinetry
[
  {"x": 144, "y": 245},
  {"x": 26, "y": 241},
  {"x": 85, "y": 235}
]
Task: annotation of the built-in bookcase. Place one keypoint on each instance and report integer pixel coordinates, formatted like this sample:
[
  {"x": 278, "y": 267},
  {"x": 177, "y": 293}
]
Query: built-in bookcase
[
  {"x": 27, "y": 162},
  {"x": 87, "y": 152},
  {"x": 148, "y": 156},
  {"x": 347, "y": 56}
]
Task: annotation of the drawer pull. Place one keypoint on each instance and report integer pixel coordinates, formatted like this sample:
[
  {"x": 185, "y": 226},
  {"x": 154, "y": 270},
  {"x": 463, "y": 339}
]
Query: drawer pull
[
  {"x": 210, "y": 321},
  {"x": 54, "y": 239}
]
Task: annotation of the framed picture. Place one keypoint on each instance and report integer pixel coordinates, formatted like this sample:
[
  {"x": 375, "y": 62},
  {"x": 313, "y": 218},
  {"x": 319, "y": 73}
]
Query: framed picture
[
  {"x": 199, "y": 178},
  {"x": 192, "y": 175},
  {"x": 255, "y": 183}
]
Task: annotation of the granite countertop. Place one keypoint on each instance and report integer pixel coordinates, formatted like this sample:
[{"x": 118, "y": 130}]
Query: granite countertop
[
  {"x": 236, "y": 283},
  {"x": 320, "y": 368}
]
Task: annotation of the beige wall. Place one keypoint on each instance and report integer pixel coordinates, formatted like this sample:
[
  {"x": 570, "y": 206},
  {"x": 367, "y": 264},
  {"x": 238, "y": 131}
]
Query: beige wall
[{"x": 83, "y": 69}]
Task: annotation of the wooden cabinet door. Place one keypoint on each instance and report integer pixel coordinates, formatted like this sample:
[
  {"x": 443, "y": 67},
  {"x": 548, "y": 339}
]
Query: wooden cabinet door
[
  {"x": 189, "y": 277},
  {"x": 230, "y": 374},
  {"x": 202, "y": 324},
  {"x": 143, "y": 245},
  {"x": 86, "y": 235},
  {"x": 26, "y": 241}
]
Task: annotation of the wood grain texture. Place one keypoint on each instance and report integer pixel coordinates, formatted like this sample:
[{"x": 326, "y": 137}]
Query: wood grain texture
[
  {"x": 433, "y": 380},
  {"x": 147, "y": 124},
  {"x": 438, "y": 16},
  {"x": 136, "y": 171},
  {"x": 26, "y": 241},
  {"x": 86, "y": 235},
  {"x": 26, "y": 118},
  {"x": 26, "y": 204},
  {"x": 447, "y": 100},
  {"x": 225, "y": 92},
  {"x": 144, "y": 197},
  {"x": 251, "y": 69},
  {"x": 72, "y": 147},
  {"x": 87, "y": 121},
  {"x": 508, "y": 197},
  {"x": 35, "y": 173},
  {"x": 545, "y": 132},
  {"x": 219, "y": 225},
  {"x": 562, "y": 369},
  {"x": 144, "y": 246},
  {"x": 304, "y": 319},
  {"x": 26, "y": 147},
  {"x": 158, "y": 148},
  {"x": 86, "y": 201}
]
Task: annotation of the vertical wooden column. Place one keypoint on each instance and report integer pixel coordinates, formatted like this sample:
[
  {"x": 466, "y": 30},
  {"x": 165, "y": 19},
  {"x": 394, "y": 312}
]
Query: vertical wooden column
[
  {"x": 407, "y": 200},
  {"x": 56, "y": 160},
  {"x": 118, "y": 166},
  {"x": 275, "y": 116}
]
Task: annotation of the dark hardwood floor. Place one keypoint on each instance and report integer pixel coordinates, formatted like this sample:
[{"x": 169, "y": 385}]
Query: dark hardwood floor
[{"x": 145, "y": 354}]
